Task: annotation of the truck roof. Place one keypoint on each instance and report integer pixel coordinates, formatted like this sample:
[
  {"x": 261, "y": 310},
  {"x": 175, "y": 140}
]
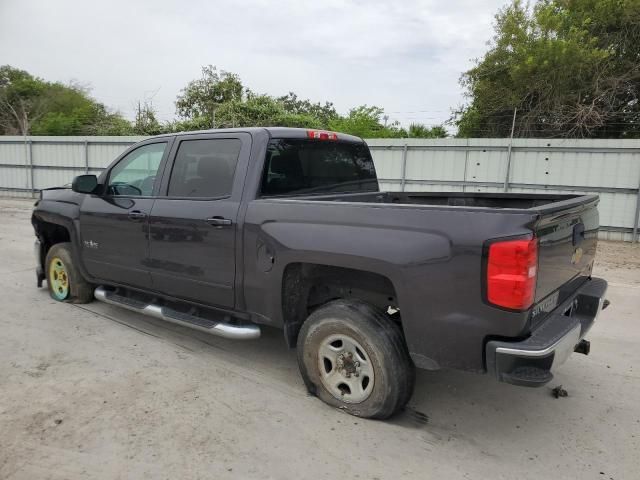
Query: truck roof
[{"x": 274, "y": 132}]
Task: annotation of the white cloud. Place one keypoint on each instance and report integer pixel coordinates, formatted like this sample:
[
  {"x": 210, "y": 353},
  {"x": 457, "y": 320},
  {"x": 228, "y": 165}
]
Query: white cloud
[{"x": 405, "y": 56}]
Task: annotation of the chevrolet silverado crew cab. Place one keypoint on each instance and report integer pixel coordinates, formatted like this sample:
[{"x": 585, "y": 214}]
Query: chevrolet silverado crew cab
[{"x": 228, "y": 231}]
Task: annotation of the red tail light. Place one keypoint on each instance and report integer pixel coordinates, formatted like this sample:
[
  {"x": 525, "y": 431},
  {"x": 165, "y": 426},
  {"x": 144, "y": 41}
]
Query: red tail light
[
  {"x": 511, "y": 273},
  {"x": 322, "y": 135}
]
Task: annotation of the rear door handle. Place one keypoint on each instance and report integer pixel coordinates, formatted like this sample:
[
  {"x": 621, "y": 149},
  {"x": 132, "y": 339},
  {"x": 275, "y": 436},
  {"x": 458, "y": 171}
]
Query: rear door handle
[
  {"x": 137, "y": 215},
  {"x": 218, "y": 222}
]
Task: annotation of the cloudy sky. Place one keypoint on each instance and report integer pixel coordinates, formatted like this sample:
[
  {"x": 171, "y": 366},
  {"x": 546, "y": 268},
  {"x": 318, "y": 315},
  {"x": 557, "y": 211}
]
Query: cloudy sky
[{"x": 405, "y": 56}]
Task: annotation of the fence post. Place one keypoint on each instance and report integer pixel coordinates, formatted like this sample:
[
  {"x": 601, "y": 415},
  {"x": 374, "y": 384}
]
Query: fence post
[
  {"x": 404, "y": 167},
  {"x": 513, "y": 126},
  {"x": 86, "y": 156},
  {"x": 30, "y": 161},
  {"x": 466, "y": 164},
  {"x": 634, "y": 235}
]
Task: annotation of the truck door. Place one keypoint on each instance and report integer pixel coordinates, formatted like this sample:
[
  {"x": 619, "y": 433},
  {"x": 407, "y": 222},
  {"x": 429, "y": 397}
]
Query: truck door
[
  {"x": 193, "y": 225},
  {"x": 114, "y": 226}
]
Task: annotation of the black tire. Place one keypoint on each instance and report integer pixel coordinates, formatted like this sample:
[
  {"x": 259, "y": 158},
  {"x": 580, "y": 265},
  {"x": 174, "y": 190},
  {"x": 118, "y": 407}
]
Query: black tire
[
  {"x": 79, "y": 290},
  {"x": 383, "y": 343}
]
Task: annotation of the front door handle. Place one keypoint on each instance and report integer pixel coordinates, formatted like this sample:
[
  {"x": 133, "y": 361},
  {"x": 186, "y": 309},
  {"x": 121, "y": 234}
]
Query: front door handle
[
  {"x": 137, "y": 215},
  {"x": 219, "y": 222}
]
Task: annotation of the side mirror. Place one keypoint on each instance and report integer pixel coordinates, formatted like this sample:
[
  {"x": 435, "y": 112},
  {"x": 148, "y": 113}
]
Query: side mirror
[{"x": 84, "y": 183}]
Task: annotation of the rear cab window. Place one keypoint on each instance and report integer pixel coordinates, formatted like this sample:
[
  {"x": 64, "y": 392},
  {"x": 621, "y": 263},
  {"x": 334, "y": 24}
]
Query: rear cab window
[{"x": 309, "y": 167}]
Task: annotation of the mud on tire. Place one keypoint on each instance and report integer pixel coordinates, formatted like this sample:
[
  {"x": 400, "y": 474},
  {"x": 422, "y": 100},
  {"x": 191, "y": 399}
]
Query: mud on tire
[{"x": 377, "y": 348}]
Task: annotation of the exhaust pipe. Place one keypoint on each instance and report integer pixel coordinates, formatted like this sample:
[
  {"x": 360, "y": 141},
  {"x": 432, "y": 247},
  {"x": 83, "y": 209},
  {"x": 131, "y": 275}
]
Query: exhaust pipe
[{"x": 221, "y": 329}]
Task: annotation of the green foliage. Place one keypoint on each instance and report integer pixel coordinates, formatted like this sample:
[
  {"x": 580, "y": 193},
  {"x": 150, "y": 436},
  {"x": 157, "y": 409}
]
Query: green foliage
[
  {"x": 363, "y": 121},
  {"x": 323, "y": 112},
  {"x": 261, "y": 111},
  {"x": 570, "y": 67},
  {"x": 189, "y": 124},
  {"x": 30, "y": 105},
  {"x": 220, "y": 100},
  {"x": 202, "y": 97},
  {"x": 146, "y": 122},
  {"x": 417, "y": 130},
  {"x": 21, "y": 100}
]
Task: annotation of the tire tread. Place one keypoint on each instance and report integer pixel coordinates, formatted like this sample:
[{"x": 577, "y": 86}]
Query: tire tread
[
  {"x": 388, "y": 333},
  {"x": 80, "y": 291}
]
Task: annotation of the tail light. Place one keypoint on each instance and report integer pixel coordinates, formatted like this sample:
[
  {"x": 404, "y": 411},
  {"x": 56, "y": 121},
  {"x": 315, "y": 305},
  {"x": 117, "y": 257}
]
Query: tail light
[
  {"x": 322, "y": 135},
  {"x": 512, "y": 268}
]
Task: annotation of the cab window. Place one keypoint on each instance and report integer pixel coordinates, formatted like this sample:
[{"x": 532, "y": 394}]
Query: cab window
[
  {"x": 135, "y": 174},
  {"x": 204, "y": 168},
  {"x": 307, "y": 167}
]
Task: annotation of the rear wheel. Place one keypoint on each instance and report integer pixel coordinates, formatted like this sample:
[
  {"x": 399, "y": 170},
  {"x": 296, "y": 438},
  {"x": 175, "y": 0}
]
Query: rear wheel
[
  {"x": 353, "y": 357},
  {"x": 64, "y": 282}
]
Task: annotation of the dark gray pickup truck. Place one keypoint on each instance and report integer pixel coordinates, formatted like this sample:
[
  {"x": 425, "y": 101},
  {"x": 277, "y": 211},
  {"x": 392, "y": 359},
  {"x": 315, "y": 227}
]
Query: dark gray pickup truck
[{"x": 226, "y": 231}]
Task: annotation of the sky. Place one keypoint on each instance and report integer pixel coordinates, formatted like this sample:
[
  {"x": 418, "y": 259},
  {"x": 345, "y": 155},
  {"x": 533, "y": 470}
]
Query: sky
[{"x": 404, "y": 56}]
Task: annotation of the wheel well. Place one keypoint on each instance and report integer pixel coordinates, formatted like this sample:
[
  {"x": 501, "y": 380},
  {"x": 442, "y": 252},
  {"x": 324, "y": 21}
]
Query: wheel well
[
  {"x": 49, "y": 234},
  {"x": 306, "y": 286}
]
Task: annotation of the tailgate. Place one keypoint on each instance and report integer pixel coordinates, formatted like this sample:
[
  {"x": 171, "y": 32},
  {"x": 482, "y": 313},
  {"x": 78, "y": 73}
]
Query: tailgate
[{"x": 567, "y": 232}]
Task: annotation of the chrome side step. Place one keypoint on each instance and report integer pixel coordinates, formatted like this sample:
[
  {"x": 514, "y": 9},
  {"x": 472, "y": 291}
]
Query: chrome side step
[{"x": 222, "y": 329}]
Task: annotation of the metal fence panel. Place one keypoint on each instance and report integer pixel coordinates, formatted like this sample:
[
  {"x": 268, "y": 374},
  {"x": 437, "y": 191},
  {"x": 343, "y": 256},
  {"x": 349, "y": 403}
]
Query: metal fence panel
[
  {"x": 14, "y": 178},
  {"x": 610, "y": 168},
  {"x": 13, "y": 153},
  {"x": 102, "y": 154},
  {"x": 69, "y": 155}
]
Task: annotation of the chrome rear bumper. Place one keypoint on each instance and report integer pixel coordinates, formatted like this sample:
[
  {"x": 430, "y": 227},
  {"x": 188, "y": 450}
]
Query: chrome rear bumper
[{"x": 530, "y": 362}]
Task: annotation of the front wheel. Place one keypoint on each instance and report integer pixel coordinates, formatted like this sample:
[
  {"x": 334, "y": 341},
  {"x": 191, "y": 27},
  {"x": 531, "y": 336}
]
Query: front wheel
[
  {"x": 353, "y": 357},
  {"x": 64, "y": 281}
]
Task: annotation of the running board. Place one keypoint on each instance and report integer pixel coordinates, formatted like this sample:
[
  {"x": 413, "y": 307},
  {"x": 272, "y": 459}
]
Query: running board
[{"x": 222, "y": 329}]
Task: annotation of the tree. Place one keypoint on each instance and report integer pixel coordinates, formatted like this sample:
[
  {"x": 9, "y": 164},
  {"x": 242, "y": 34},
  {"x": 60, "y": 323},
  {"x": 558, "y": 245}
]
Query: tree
[
  {"x": 221, "y": 100},
  {"x": 364, "y": 121},
  {"x": 30, "y": 105},
  {"x": 570, "y": 67},
  {"x": 262, "y": 111},
  {"x": 146, "y": 122},
  {"x": 202, "y": 97},
  {"x": 323, "y": 112},
  {"x": 22, "y": 101},
  {"x": 417, "y": 130}
]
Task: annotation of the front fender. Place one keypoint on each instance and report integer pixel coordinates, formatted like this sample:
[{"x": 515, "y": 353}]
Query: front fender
[{"x": 65, "y": 214}]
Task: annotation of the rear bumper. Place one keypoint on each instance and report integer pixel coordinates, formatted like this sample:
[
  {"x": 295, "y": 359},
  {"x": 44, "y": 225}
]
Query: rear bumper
[{"x": 530, "y": 362}]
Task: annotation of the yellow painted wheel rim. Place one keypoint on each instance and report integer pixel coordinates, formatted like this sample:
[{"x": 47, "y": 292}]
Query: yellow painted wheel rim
[{"x": 58, "y": 279}]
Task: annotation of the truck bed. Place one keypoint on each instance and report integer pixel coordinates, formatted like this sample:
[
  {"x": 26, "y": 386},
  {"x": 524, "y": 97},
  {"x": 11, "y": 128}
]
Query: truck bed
[
  {"x": 455, "y": 228},
  {"x": 452, "y": 199}
]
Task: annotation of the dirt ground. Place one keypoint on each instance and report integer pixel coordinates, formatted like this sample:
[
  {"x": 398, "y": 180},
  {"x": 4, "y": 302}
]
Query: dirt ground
[{"x": 94, "y": 391}]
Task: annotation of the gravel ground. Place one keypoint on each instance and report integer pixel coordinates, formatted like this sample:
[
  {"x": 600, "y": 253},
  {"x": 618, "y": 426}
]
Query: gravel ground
[{"x": 95, "y": 391}]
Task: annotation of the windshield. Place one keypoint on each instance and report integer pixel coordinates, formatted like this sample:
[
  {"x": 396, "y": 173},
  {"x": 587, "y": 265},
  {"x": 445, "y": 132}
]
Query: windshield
[{"x": 302, "y": 166}]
